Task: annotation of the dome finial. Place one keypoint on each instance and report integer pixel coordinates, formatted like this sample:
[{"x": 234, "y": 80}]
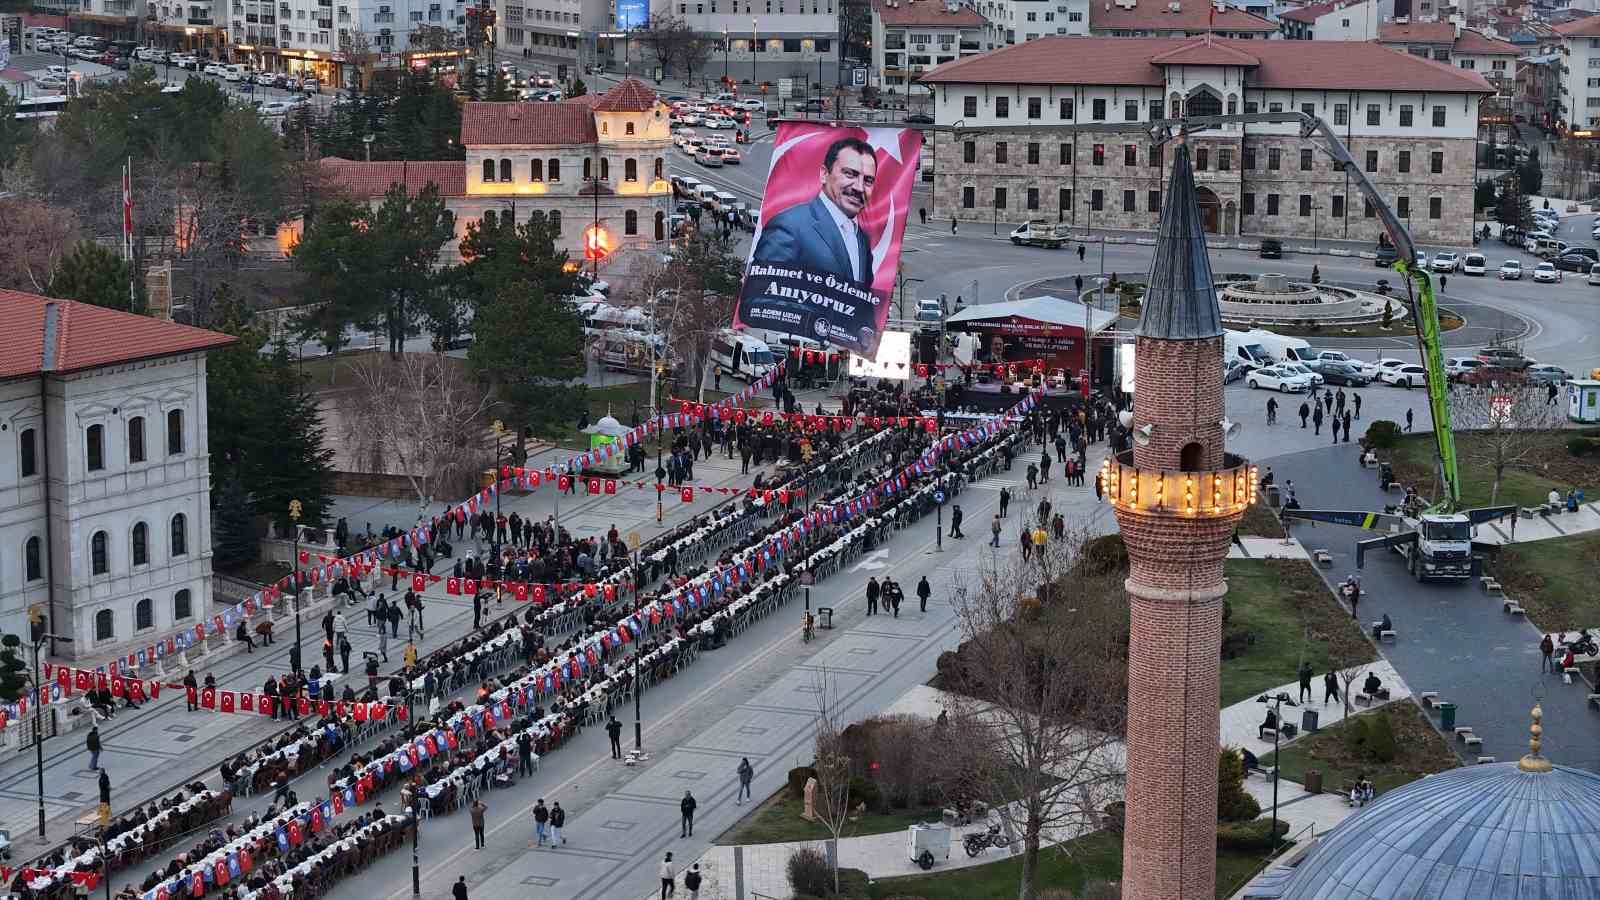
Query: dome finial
[{"x": 1533, "y": 762}]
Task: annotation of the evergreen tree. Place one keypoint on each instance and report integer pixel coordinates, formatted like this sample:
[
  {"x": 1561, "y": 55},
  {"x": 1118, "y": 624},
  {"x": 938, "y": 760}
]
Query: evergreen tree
[
  {"x": 237, "y": 543},
  {"x": 499, "y": 88},
  {"x": 578, "y": 88},
  {"x": 95, "y": 274},
  {"x": 472, "y": 82},
  {"x": 1530, "y": 174}
]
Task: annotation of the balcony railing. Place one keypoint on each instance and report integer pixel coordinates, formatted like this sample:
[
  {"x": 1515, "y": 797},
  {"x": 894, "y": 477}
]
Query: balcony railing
[{"x": 199, "y": 20}]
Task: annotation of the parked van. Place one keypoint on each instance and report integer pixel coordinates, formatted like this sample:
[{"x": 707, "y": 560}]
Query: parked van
[
  {"x": 741, "y": 355},
  {"x": 1280, "y": 348},
  {"x": 1244, "y": 347},
  {"x": 629, "y": 351},
  {"x": 234, "y": 72},
  {"x": 722, "y": 201}
]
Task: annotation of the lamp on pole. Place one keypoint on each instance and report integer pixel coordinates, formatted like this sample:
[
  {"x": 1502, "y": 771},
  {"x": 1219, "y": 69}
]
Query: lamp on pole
[
  {"x": 38, "y": 632},
  {"x": 755, "y": 59},
  {"x": 660, "y": 369},
  {"x": 725, "y": 54},
  {"x": 294, "y": 582},
  {"x": 1276, "y": 703}
]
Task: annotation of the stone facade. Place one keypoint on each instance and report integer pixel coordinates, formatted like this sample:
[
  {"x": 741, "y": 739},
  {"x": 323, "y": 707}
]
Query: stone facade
[{"x": 1243, "y": 172}]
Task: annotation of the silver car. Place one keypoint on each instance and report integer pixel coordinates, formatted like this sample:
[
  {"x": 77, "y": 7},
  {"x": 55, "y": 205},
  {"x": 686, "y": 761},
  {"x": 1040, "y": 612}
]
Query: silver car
[{"x": 1547, "y": 374}]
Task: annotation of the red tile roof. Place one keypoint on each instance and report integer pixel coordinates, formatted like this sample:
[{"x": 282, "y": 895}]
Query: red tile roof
[
  {"x": 367, "y": 180},
  {"x": 1416, "y": 33},
  {"x": 927, "y": 13},
  {"x": 1192, "y": 16},
  {"x": 589, "y": 100},
  {"x": 629, "y": 95},
  {"x": 534, "y": 124},
  {"x": 1309, "y": 13},
  {"x": 1588, "y": 26},
  {"x": 88, "y": 336},
  {"x": 1205, "y": 53},
  {"x": 1475, "y": 42},
  {"x": 1307, "y": 65}
]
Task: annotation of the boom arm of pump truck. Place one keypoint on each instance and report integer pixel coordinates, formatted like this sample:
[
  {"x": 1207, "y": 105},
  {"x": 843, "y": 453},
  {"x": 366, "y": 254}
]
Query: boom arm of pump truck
[{"x": 1424, "y": 313}]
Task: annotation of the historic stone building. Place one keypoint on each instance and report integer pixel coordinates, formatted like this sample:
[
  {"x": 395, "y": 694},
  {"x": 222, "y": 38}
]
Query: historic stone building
[{"x": 1063, "y": 134}]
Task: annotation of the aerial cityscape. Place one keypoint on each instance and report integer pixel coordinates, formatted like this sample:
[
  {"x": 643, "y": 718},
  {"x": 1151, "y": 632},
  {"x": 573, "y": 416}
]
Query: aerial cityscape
[{"x": 904, "y": 415}]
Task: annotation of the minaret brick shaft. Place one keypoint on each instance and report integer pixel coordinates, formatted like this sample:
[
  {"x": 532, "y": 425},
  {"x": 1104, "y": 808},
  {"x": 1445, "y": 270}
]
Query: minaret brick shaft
[{"x": 1177, "y": 497}]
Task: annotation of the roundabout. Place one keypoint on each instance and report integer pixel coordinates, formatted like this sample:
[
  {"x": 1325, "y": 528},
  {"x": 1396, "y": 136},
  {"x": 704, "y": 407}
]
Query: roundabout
[{"x": 1271, "y": 300}]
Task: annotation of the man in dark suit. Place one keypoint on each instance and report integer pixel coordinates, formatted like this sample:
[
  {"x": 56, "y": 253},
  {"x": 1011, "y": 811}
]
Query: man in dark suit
[{"x": 823, "y": 235}]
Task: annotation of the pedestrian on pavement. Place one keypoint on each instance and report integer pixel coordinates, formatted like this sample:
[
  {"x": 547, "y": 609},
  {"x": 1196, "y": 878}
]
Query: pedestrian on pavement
[
  {"x": 746, "y": 772},
  {"x": 264, "y": 632},
  {"x": 1305, "y": 413},
  {"x": 558, "y": 818},
  {"x": 1335, "y": 426},
  {"x": 191, "y": 690},
  {"x": 1547, "y": 649},
  {"x": 892, "y": 596},
  {"x": 668, "y": 879},
  {"x": 1272, "y": 410},
  {"x": 1330, "y": 687},
  {"x": 524, "y": 755},
  {"x": 1044, "y": 467},
  {"x": 383, "y": 643},
  {"x": 478, "y": 809},
  {"x": 242, "y": 635},
  {"x": 1033, "y": 476},
  {"x": 686, "y": 807},
  {"x": 344, "y": 653},
  {"x": 1316, "y": 419},
  {"x": 1005, "y": 500},
  {"x": 1355, "y": 595},
  {"x": 994, "y": 529},
  {"x": 872, "y": 595},
  {"x": 955, "y": 522},
  {"x": 459, "y": 890},
  {"x": 614, "y": 731},
  {"x": 1347, "y": 426},
  {"x": 477, "y": 610},
  {"x": 924, "y": 590},
  {"x": 92, "y": 744},
  {"x": 1080, "y": 253},
  {"x": 1305, "y": 681},
  {"x": 1356, "y": 399},
  {"x": 409, "y": 655},
  {"x": 1408, "y": 420},
  {"x": 541, "y": 821},
  {"x": 327, "y": 625},
  {"x": 922, "y": 213},
  {"x": 691, "y": 881},
  {"x": 105, "y": 787},
  {"x": 952, "y": 224}
]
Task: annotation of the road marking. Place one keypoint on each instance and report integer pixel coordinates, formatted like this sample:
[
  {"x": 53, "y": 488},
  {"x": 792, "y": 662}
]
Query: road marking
[{"x": 872, "y": 562}]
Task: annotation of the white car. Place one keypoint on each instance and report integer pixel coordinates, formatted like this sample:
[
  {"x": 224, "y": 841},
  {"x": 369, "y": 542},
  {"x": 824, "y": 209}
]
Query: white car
[
  {"x": 265, "y": 78},
  {"x": 731, "y": 155},
  {"x": 1511, "y": 270},
  {"x": 751, "y": 104},
  {"x": 1276, "y": 378},
  {"x": 1422, "y": 259},
  {"x": 689, "y": 118},
  {"x": 1406, "y": 376},
  {"x": 1445, "y": 262},
  {"x": 217, "y": 69},
  {"x": 1376, "y": 368},
  {"x": 1458, "y": 366},
  {"x": 1474, "y": 264},
  {"x": 1547, "y": 273},
  {"x": 1303, "y": 369},
  {"x": 683, "y": 137},
  {"x": 720, "y": 122}
]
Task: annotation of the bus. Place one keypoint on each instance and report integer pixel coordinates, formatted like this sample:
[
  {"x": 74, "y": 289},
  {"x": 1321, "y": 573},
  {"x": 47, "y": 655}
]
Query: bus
[{"x": 44, "y": 106}]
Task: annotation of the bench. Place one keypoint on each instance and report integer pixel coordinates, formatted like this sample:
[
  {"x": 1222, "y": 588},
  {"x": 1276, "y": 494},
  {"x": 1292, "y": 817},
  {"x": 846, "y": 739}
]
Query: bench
[
  {"x": 1263, "y": 733},
  {"x": 1512, "y": 608},
  {"x": 1323, "y": 558},
  {"x": 1472, "y": 741},
  {"x": 1528, "y": 512},
  {"x": 1488, "y": 583},
  {"x": 1396, "y": 487},
  {"x": 1429, "y": 699},
  {"x": 1462, "y": 731},
  {"x": 1485, "y": 759},
  {"x": 1387, "y": 635}
]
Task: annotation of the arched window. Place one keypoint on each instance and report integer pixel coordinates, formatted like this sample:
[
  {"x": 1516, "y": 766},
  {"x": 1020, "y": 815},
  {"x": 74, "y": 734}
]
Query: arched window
[
  {"x": 488, "y": 170},
  {"x": 1203, "y": 104},
  {"x": 181, "y": 608},
  {"x": 28, "y": 453},
  {"x": 1190, "y": 457},
  {"x": 99, "y": 558},
  {"x": 94, "y": 447},
  {"x": 628, "y": 129},
  {"x": 180, "y": 535},
  {"x": 175, "y": 432},
  {"x": 144, "y": 614},
  {"x": 630, "y": 222},
  {"x": 536, "y": 170},
  {"x": 141, "y": 544},
  {"x": 553, "y": 171},
  {"x": 661, "y": 226},
  {"x": 136, "y": 439},
  {"x": 661, "y": 168},
  {"x": 630, "y": 170},
  {"x": 33, "y": 559},
  {"x": 537, "y": 217},
  {"x": 505, "y": 170},
  {"x": 105, "y": 628},
  {"x": 605, "y": 127},
  {"x": 490, "y": 218},
  {"x": 605, "y": 169},
  {"x": 555, "y": 221}
]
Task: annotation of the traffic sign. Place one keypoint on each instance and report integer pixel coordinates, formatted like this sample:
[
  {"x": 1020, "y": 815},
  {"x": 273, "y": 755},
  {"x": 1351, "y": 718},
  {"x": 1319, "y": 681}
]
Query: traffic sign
[{"x": 938, "y": 496}]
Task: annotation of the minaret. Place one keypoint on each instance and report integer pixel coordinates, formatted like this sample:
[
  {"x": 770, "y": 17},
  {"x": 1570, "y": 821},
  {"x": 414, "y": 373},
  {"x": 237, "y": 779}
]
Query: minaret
[{"x": 1177, "y": 497}]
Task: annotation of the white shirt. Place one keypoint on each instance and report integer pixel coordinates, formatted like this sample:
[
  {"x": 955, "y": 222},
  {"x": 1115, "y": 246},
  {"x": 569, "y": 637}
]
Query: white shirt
[{"x": 847, "y": 230}]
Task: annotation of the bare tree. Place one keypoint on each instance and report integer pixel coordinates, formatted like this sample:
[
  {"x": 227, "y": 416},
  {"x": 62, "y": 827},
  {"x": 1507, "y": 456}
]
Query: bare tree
[
  {"x": 33, "y": 236},
  {"x": 356, "y": 45},
  {"x": 832, "y": 766},
  {"x": 1507, "y": 421},
  {"x": 1038, "y": 693},
  {"x": 420, "y": 417}
]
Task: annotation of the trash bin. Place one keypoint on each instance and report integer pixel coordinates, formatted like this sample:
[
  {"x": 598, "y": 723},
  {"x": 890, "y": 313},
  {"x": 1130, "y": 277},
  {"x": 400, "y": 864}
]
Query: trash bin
[
  {"x": 1313, "y": 781},
  {"x": 825, "y": 616},
  {"x": 1308, "y": 721},
  {"x": 1447, "y": 716}
]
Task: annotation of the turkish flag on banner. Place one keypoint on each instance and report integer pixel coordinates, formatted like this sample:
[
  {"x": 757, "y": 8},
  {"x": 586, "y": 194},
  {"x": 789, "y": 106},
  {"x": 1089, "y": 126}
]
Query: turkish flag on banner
[
  {"x": 304, "y": 706},
  {"x": 264, "y": 704},
  {"x": 452, "y": 586},
  {"x": 533, "y": 479},
  {"x": 564, "y": 483},
  {"x": 322, "y": 707},
  {"x": 594, "y": 485},
  {"x": 64, "y": 678},
  {"x": 305, "y": 556},
  {"x": 538, "y": 593},
  {"x": 118, "y": 688},
  {"x": 208, "y": 698},
  {"x": 193, "y": 695},
  {"x": 136, "y": 690},
  {"x": 83, "y": 679},
  {"x": 589, "y": 590},
  {"x": 227, "y": 701},
  {"x": 688, "y": 494},
  {"x": 470, "y": 586},
  {"x": 419, "y": 582},
  {"x": 521, "y": 590},
  {"x": 360, "y": 712},
  {"x": 247, "y": 702},
  {"x": 610, "y": 592},
  {"x": 339, "y": 709}
]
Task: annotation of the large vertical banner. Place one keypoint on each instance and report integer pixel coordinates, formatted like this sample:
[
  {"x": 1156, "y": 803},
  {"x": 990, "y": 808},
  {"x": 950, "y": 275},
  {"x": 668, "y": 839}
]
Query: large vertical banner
[
  {"x": 632, "y": 14},
  {"x": 823, "y": 262}
]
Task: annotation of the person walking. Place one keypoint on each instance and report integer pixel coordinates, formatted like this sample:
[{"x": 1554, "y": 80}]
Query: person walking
[
  {"x": 873, "y": 590},
  {"x": 1408, "y": 420},
  {"x": 383, "y": 643},
  {"x": 478, "y": 809},
  {"x": 614, "y": 731},
  {"x": 541, "y": 821},
  {"x": 1355, "y": 595},
  {"x": 1305, "y": 413},
  {"x": 92, "y": 744},
  {"x": 1272, "y": 410},
  {"x": 1005, "y": 500},
  {"x": 524, "y": 754},
  {"x": 1044, "y": 467},
  {"x": 994, "y": 529},
  {"x": 952, "y": 224},
  {"x": 1335, "y": 426},
  {"x": 668, "y": 879},
  {"x": 344, "y": 653},
  {"x": 1316, "y": 419},
  {"x": 1305, "y": 681},
  {"x": 1355, "y": 398},
  {"x": 1347, "y": 426},
  {"x": 105, "y": 787},
  {"x": 1547, "y": 649},
  {"x": 1330, "y": 687},
  {"x": 327, "y": 625},
  {"x": 691, "y": 881},
  {"x": 477, "y": 610},
  {"x": 558, "y": 818},
  {"x": 1033, "y": 476},
  {"x": 341, "y": 626},
  {"x": 955, "y": 522},
  {"x": 746, "y": 772},
  {"x": 924, "y": 590},
  {"x": 686, "y": 807},
  {"x": 459, "y": 890}
]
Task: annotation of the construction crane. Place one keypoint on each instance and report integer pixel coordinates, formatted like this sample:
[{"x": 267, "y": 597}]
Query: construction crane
[{"x": 1436, "y": 541}]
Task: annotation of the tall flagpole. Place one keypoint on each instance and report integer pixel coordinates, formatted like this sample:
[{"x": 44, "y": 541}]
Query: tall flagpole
[{"x": 127, "y": 227}]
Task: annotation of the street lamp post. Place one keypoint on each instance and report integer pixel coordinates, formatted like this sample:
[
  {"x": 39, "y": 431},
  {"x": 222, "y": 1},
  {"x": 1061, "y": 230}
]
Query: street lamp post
[
  {"x": 294, "y": 565},
  {"x": 416, "y": 865},
  {"x": 638, "y": 719},
  {"x": 755, "y": 59},
  {"x": 661, "y": 473},
  {"x": 39, "y": 635},
  {"x": 725, "y": 55},
  {"x": 1276, "y": 703},
  {"x": 1316, "y": 221},
  {"x": 499, "y": 429}
]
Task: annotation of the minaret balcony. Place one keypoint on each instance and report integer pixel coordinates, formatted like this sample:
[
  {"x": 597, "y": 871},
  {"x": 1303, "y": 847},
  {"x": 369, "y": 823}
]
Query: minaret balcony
[{"x": 1193, "y": 495}]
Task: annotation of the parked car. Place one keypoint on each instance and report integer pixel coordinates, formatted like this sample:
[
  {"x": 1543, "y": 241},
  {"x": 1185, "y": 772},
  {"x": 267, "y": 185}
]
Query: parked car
[
  {"x": 919, "y": 119},
  {"x": 1547, "y": 273},
  {"x": 1271, "y": 248},
  {"x": 710, "y": 157},
  {"x": 1276, "y": 378},
  {"x": 1303, "y": 369},
  {"x": 731, "y": 155},
  {"x": 1474, "y": 264},
  {"x": 1344, "y": 373},
  {"x": 1445, "y": 262},
  {"x": 1376, "y": 368},
  {"x": 1511, "y": 270},
  {"x": 1573, "y": 262},
  {"x": 1422, "y": 259},
  {"x": 1457, "y": 366},
  {"x": 1594, "y": 275},
  {"x": 1504, "y": 358},
  {"x": 1548, "y": 374},
  {"x": 1407, "y": 376}
]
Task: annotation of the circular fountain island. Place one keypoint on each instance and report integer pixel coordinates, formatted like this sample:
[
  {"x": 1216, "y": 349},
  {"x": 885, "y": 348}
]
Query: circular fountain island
[{"x": 1271, "y": 299}]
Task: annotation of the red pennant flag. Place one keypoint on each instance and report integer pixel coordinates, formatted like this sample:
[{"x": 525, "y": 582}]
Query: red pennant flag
[
  {"x": 611, "y": 485},
  {"x": 521, "y": 590},
  {"x": 564, "y": 483},
  {"x": 470, "y": 586},
  {"x": 264, "y": 704},
  {"x": 83, "y": 679}
]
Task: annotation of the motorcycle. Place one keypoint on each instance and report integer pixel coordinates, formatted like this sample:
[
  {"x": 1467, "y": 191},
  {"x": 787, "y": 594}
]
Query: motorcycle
[
  {"x": 977, "y": 841},
  {"x": 1584, "y": 644}
]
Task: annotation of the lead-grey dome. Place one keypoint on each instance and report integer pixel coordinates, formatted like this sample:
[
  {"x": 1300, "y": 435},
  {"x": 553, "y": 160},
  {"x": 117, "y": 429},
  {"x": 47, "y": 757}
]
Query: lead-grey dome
[{"x": 1487, "y": 832}]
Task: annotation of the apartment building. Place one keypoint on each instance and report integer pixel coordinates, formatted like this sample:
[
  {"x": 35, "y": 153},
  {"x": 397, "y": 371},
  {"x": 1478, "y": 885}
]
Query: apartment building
[
  {"x": 1089, "y": 159},
  {"x": 910, "y": 37},
  {"x": 1580, "y": 77},
  {"x": 1336, "y": 20},
  {"x": 335, "y": 40}
]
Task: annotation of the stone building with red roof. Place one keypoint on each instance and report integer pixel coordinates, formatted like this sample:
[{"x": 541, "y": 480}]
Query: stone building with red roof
[
  {"x": 1061, "y": 131},
  {"x": 105, "y": 478},
  {"x": 589, "y": 166}
]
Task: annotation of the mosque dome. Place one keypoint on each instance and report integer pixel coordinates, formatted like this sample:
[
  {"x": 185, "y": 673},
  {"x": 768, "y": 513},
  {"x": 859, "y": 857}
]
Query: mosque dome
[{"x": 1497, "y": 831}]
